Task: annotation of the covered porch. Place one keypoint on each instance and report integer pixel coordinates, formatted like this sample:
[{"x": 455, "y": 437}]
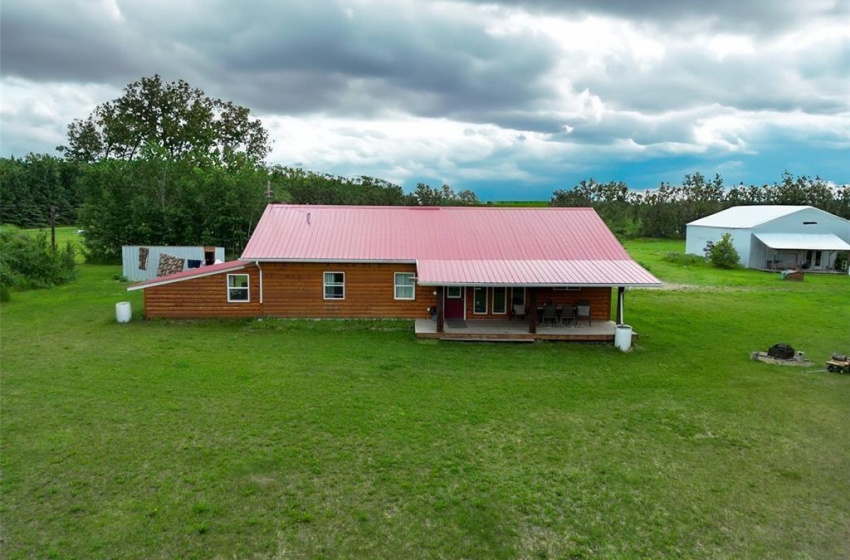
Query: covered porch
[
  {"x": 515, "y": 331},
  {"x": 527, "y": 300},
  {"x": 517, "y": 314},
  {"x": 808, "y": 252}
]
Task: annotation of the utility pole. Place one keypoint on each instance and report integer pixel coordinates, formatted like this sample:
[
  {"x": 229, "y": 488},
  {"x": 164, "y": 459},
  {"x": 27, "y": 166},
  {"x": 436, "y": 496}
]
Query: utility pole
[{"x": 53, "y": 227}]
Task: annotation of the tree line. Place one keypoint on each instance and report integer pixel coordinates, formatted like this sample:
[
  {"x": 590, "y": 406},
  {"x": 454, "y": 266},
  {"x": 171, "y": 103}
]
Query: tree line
[
  {"x": 664, "y": 212},
  {"x": 166, "y": 165},
  {"x": 176, "y": 201}
]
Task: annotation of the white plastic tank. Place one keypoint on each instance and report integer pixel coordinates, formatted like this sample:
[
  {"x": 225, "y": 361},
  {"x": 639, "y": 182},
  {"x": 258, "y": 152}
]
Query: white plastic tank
[
  {"x": 623, "y": 337},
  {"x": 123, "y": 312}
]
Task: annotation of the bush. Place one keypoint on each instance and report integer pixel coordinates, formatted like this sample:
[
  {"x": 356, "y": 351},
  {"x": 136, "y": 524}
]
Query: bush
[
  {"x": 723, "y": 253},
  {"x": 684, "y": 259},
  {"x": 28, "y": 262}
]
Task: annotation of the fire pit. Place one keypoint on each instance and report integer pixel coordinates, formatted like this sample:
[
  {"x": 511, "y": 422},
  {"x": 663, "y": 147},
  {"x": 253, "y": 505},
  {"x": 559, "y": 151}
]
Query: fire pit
[
  {"x": 782, "y": 354},
  {"x": 781, "y": 351}
]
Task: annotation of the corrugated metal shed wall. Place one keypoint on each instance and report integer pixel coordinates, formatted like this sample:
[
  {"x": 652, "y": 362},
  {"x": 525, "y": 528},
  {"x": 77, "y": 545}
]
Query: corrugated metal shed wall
[
  {"x": 130, "y": 259},
  {"x": 698, "y": 236}
]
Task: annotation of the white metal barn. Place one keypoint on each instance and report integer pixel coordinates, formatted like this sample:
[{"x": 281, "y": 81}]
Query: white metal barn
[
  {"x": 775, "y": 237},
  {"x": 143, "y": 262}
]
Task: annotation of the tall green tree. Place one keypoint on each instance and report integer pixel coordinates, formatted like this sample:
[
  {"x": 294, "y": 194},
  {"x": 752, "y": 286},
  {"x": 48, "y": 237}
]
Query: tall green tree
[
  {"x": 307, "y": 187},
  {"x": 613, "y": 201},
  {"x": 36, "y": 187},
  {"x": 169, "y": 120},
  {"x": 425, "y": 195},
  {"x": 148, "y": 201},
  {"x": 167, "y": 165}
]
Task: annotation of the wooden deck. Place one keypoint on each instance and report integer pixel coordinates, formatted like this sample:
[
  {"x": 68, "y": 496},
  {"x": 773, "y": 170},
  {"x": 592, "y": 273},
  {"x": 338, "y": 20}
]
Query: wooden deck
[{"x": 515, "y": 331}]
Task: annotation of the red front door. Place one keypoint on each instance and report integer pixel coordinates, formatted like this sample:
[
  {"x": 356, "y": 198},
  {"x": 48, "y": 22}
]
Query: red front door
[{"x": 454, "y": 302}]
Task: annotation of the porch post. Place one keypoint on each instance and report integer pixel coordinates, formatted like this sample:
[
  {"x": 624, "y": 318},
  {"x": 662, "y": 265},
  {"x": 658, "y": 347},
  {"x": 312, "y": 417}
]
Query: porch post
[
  {"x": 531, "y": 310},
  {"x": 441, "y": 302},
  {"x": 621, "y": 299}
]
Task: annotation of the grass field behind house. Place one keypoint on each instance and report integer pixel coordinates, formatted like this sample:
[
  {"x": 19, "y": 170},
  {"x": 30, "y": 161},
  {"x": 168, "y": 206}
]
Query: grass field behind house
[
  {"x": 63, "y": 235},
  {"x": 351, "y": 439}
]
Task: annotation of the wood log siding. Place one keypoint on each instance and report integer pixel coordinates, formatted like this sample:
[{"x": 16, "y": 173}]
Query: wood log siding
[
  {"x": 202, "y": 298},
  {"x": 297, "y": 290}
]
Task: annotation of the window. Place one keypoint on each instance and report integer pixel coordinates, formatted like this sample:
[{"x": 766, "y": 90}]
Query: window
[
  {"x": 567, "y": 288},
  {"x": 518, "y": 296},
  {"x": 810, "y": 223},
  {"x": 454, "y": 292},
  {"x": 479, "y": 298},
  {"x": 500, "y": 301},
  {"x": 334, "y": 285},
  {"x": 405, "y": 285},
  {"x": 237, "y": 288}
]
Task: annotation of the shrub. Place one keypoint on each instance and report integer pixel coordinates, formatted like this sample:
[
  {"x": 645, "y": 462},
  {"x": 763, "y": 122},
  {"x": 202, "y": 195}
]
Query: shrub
[
  {"x": 723, "y": 253},
  {"x": 684, "y": 259},
  {"x": 28, "y": 262}
]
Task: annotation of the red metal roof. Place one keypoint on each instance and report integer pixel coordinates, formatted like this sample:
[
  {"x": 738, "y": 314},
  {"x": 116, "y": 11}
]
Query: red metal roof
[
  {"x": 187, "y": 274},
  {"x": 453, "y": 245},
  {"x": 531, "y": 272}
]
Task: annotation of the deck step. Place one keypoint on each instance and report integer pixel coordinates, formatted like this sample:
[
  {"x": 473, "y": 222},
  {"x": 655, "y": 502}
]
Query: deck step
[{"x": 485, "y": 339}]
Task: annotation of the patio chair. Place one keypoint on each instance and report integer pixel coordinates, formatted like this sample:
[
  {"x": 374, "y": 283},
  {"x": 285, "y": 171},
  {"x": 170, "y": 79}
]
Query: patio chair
[
  {"x": 583, "y": 312},
  {"x": 550, "y": 313},
  {"x": 518, "y": 311},
  {"x": 568, "y": 315}
]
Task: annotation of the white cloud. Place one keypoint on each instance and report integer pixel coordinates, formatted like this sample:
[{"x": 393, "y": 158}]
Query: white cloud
[{"x": 461, "y": 91}]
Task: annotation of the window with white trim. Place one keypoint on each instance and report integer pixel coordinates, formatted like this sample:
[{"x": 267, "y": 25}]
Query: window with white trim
[
  {"x": 405, "y": 285},
  {"x": 454, "y": 292},
  {"x": 479, "y": 299},
  {"x": 500, "y": 300},
  {"x": 334, "y": 285},
  {"x": 237, "y": 288}
]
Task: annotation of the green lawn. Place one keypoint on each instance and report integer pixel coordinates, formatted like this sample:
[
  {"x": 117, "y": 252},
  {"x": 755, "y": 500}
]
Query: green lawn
[{"x": 308, "y": 439}]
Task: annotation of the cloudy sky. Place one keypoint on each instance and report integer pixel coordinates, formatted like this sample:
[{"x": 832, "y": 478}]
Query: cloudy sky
[{"x": 512, "y": 99}]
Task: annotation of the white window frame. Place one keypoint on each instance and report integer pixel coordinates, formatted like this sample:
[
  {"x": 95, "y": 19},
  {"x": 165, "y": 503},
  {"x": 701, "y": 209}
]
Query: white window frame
[
  {"x": 486, "y": 300},
  {"x": 459, "y": 292},
  {"x": 504, "y": 302},
  {"x": 412, "y": 285},
  {"x": 231, "y": 279},
  {"x": 332, "y": 284}
]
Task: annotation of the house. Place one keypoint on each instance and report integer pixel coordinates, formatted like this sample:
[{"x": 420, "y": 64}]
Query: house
[
  {"x": 775, "y": 237},
  {"x": 441, "y": 265}
]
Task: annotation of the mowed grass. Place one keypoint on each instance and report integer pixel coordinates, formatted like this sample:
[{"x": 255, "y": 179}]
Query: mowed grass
[{"x": 350, "y": 439}]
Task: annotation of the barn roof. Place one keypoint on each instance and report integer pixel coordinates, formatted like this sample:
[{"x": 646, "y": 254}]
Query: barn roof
[
  {"x": 453, "y": 245},
  {"x": 748, "y": 216}
]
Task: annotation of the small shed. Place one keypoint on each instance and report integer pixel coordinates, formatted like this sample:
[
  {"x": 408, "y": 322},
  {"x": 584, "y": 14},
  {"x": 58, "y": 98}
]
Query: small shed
[
  {"x": 774, "y": 237},
  {"x": 143, "y": 262}
]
